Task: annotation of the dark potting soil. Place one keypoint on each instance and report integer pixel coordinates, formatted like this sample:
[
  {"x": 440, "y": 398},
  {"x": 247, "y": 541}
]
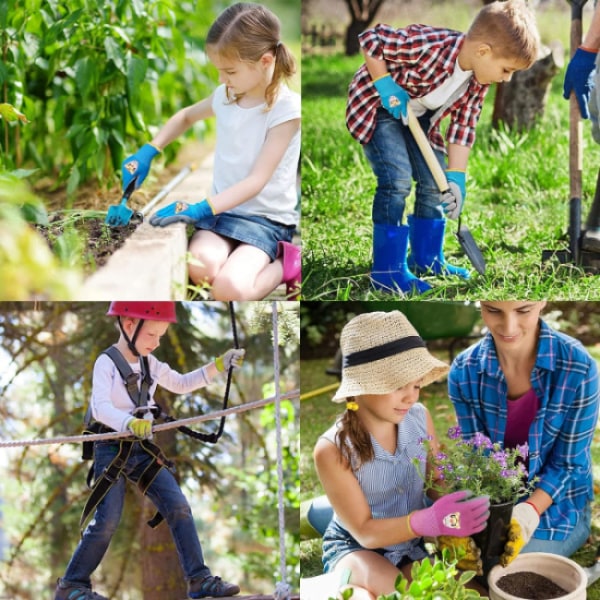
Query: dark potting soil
[
  {"x": 531, "y": 586},
  {"x": 98, "y": 240}
]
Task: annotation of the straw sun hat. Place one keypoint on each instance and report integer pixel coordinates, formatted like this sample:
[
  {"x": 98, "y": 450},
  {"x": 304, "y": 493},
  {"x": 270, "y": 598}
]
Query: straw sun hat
[{"x": 382, "y": 352}]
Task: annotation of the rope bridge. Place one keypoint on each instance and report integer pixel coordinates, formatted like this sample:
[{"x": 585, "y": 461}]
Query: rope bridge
[{"x": 92, "y": 437}]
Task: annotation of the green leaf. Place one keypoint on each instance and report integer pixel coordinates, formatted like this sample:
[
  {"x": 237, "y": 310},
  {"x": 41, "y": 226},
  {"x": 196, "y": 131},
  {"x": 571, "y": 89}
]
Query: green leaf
[
  {"x": 35, "y": 213},
  {"x": 73, "y": 182},
  {"x": 9, "y": 113},
  {"x": 115, "y": 53},
  {"x": 85, "y": 74},
  {"x": 136, "y": 73}
]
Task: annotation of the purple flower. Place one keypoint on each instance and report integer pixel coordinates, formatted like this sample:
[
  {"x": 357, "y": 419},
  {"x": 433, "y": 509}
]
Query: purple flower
[{"x": 480, "y": 465}]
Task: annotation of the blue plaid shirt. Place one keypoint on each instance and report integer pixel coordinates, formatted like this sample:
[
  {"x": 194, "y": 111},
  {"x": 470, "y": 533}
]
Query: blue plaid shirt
[{"x": 565, "y": 379}]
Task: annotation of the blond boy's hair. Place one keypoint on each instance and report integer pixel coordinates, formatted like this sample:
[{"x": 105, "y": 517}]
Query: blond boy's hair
[{"x": 509, "y": 28}]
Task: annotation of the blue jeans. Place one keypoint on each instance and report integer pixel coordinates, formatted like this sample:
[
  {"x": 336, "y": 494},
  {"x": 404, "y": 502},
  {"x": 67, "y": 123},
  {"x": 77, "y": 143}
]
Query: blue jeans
[
  {"x": 578, "y": 537},
  {"x": 396, "y": 160},
  {"x": 165, "y": 494}
]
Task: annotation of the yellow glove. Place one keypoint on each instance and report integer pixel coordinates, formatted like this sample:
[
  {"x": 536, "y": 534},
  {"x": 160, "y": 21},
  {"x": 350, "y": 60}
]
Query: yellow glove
[
  {"x": 464, "y": 550},
  {"x": 525, "y": 520},
  {"x": 141, "y": 428},
  {"x": 233, "y": 359}
]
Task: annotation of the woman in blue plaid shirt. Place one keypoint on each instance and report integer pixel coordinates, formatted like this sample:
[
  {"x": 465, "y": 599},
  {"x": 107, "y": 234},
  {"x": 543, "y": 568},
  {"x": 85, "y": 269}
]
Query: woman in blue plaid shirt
[
  {"x": 440, "y": 73},
  {"x": 524, "y": 382}
]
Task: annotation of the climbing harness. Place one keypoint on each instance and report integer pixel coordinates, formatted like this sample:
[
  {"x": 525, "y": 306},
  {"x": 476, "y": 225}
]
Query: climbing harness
[{"x": 140, "y": 396}]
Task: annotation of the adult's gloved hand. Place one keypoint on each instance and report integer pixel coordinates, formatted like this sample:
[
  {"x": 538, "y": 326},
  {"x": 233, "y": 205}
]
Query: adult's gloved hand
[
  {"x": 452, "y": 203},
  {"x": 393, "y": 97},
  {"x": 579, "y": 78},
  {"x": 233, "y": 359},
  {"x": 138, "y": 164},
  {"x": 141, "y": 428},
  {"x": 452, "y": 515},
  {"x": 464, "y": 550},
  {"x": 181, "y": 212},
  {"x": 524, "y": 521}
]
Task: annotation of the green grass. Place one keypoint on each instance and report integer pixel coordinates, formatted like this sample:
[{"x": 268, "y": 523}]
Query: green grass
[
  {"x": 318, "y": 413},
  {"x": 517, "y": 202}
]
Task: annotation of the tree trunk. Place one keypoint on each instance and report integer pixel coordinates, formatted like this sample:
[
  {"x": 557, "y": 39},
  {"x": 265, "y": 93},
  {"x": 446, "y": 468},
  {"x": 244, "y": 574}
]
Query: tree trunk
[
  {"x": 352, "y": 46},
  {"x": 162, "y": 576},
  {"x": 521, "y": 102},
  {"x": 362, "y": 12}
]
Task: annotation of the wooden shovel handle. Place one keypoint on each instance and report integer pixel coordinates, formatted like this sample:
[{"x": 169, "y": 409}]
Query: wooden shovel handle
[{"x": 427, "y": 151}]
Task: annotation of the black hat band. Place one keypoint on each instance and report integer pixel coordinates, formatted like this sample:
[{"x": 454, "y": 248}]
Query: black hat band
[{"x": 378, "y": 352}]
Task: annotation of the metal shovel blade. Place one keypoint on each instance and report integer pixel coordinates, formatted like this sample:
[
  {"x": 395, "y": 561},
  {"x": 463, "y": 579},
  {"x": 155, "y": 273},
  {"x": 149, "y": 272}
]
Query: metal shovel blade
[
  {"x": 120, "y": 214},
  {"x": 471, "y": 249}
]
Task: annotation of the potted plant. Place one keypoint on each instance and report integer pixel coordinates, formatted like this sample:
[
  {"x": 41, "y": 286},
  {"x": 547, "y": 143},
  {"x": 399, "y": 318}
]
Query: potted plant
[
  {"x": 436, "y": 578},
  {"x": 485, "y": 468}
]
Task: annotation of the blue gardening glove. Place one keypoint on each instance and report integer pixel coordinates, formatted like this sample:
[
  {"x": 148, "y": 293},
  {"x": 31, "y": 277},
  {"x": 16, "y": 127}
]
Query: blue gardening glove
[
  {"x": 181, "y": 212},
  {"x": 452, "y": 203},
  {"x": 232, "y": 359},
  {"x": 524, "y": 521},
  {"x": 393, "y": 98},
  {"x": 579, "y": 78},
  {"x": 138, "y": 164}
]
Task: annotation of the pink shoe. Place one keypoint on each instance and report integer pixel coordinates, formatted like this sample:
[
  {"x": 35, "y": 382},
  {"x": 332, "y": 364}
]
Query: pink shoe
[{"x": 292, "y": 268}]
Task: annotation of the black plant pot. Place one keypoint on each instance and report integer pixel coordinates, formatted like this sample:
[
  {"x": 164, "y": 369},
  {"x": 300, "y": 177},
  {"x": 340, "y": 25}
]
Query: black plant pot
[{"x": 492, "y": 539}]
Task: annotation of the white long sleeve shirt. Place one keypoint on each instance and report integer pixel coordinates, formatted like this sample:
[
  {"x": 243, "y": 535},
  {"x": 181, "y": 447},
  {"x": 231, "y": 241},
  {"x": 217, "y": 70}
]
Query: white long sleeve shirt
[{"x": 110, "y": 402}]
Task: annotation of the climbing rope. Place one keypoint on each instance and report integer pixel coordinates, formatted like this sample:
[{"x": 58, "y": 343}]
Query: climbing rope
[
  {"x": 282, "y": 589},
  {"x": 75, "y": 439},
  {"x": 213, "y": 438}
]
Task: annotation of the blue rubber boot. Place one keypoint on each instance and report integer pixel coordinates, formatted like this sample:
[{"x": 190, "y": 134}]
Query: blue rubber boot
[
  {"x": 390, "y": 271},
  {"x": 426, "y": 248}
]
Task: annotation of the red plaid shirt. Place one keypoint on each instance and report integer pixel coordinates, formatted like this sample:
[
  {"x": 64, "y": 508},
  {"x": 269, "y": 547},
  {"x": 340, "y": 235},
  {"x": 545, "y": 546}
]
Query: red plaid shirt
[{"x": 419, "y": 58}]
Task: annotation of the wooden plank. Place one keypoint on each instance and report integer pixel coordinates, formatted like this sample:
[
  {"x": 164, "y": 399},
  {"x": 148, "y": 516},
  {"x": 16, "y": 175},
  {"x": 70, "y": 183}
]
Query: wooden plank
[{"x": 152, "y": 262}]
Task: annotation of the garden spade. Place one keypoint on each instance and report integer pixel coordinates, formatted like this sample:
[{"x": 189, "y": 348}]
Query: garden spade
[
  {"x": 593, "y": 572},
  {"x": 120, "y": 214},
  {"x": 464, "y": 236}
]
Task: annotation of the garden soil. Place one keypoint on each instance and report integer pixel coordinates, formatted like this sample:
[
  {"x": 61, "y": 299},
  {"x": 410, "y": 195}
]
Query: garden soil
[
  {"x": 530, "y": 586},
  {"x": 96, "y": 241}
]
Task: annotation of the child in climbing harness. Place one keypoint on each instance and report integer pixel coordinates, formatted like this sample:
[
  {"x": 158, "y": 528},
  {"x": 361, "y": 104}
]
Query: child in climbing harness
[{"x": 119, "y": 403}]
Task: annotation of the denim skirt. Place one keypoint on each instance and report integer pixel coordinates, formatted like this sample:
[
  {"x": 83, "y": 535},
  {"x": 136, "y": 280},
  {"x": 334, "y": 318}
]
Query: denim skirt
[{"x": 247, "y": 229}]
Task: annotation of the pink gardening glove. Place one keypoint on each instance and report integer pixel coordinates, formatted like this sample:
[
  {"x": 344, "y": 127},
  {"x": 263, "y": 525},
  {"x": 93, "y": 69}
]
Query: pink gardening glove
[{"x": 452, "y": 515}]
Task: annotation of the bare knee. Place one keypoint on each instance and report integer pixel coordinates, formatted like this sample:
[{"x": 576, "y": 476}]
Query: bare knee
[
  {"x": 226, "y": 288},
  {"x": 201, "y": 269}
]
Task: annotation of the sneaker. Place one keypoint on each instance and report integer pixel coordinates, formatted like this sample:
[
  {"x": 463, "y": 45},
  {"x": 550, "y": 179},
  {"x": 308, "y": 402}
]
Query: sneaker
[
  {"x": 65, "y": 591},
  {"x": 212, "y": 587}
]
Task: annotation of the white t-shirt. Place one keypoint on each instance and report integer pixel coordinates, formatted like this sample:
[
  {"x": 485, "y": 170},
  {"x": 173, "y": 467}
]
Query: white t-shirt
[
  {"x": 241, "y": 133},
  {"x": 443, "y": 94},
  {"x": 111, "y": 404}
]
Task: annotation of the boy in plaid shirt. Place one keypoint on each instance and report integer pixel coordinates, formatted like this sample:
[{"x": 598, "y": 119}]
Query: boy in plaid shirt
[{"x": 441, "y": 73}]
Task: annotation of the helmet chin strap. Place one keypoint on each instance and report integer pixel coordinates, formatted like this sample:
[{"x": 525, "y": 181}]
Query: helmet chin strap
[{"x": 131, "y": 342}]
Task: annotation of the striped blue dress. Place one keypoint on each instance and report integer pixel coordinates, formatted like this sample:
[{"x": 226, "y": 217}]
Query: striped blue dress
[{"x": 393, "y": 487}]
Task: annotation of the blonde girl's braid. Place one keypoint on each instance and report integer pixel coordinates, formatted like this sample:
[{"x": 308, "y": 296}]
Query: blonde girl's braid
[
  {"x": 285, "y": 67},
  {"x": 354, "y": 440},
  {"x": 246, "y": 31}
]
